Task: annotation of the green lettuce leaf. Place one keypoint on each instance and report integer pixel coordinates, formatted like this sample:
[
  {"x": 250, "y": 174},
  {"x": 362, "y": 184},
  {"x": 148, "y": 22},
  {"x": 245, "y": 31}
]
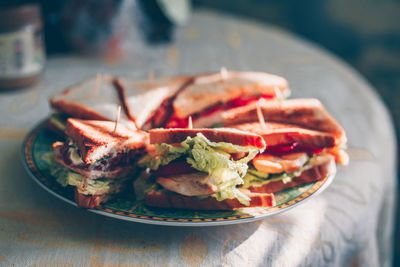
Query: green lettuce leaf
[
  {"x": 94, "y": 186},
  {"x": 99, "y": 186},
  {"x": 227, "y": 189},
  {"x": 210, "y": 157},
  {"x": 58, "y": 171},
  {"x": 257, "y": 178},
  {"x": 143, "y": 184},
  {"x": 163, "y": 155}
]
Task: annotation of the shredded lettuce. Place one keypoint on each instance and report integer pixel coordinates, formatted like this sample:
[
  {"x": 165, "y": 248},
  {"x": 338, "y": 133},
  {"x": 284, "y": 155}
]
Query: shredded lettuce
[
  {"x": 59, "y": 171},
  {"x": 227, "y": 189},
  {"x": 85, "y": 186},
  {"x": 143, "y": 184},
  {"x": 94, "y": 186},
  {"x": 257, "y": 178},
  {"x": 210, "y": 157},
  {"x": 163, "y": 155}
]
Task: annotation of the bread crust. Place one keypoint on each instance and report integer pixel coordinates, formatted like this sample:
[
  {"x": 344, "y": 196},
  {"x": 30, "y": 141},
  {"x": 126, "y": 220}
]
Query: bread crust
[
  {"x": 76, "y": 110},
  {"x": 174, "y": 136},
  {"x": 309, "y": 113},
  {"x": 164, "y": 199},
  {"x": 89, "y": 201},
  {"x": 90, "y": 136},
  {"x": 282, "y": 133}
]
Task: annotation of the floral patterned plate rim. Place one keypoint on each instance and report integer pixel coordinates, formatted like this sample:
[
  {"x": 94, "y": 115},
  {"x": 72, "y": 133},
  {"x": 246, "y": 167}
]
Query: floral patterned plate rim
[{"x": 37, "y": 147}]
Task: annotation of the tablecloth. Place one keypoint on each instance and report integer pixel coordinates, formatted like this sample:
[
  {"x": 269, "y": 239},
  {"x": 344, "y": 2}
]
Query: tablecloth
[{"x": 349, "y": 224}]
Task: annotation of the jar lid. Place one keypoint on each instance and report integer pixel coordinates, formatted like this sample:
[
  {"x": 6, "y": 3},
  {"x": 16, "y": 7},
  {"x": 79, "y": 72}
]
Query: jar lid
[{"x": 18, "y": 16}]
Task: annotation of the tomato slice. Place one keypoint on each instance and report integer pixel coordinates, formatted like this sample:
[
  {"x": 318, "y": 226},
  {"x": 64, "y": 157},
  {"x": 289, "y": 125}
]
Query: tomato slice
[
  {"x": 280, "y": 150},
  {"x": 244, "y": 100},
  {"x": 173, "y": 168},
  {"x": 176, "y": 122}
]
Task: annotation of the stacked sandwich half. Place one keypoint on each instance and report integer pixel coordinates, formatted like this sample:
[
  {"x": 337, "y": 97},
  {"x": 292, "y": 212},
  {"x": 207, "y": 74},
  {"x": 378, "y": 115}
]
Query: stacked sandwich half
[{"x": 97, "y": 159}]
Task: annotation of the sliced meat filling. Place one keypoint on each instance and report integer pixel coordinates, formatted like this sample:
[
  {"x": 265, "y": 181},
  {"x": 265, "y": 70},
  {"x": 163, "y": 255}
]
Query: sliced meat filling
[
  {"x": 190, "y": 184},
  {"x": 286, "y": 163},
  {"x": 110, "y": 166}
]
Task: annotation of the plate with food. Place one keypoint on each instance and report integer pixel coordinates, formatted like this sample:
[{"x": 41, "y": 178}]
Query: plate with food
[{"x": 211, "y": 149}]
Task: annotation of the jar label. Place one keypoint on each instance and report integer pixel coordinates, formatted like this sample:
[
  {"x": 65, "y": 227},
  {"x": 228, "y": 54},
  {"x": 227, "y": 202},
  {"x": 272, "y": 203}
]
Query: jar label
[{"x": 21, "y": 53}]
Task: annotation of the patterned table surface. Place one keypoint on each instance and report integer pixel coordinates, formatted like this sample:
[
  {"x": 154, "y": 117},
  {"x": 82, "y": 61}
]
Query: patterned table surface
[{"x": 349, "y": 224}]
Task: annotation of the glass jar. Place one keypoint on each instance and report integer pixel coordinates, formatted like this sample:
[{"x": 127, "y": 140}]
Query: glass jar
[{"x": 22, "y": 54}]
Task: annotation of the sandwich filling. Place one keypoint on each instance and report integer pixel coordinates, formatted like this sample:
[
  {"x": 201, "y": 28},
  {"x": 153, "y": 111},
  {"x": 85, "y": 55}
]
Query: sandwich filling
[
  {"x": 112, "y": 164},
  {"x": 212, "y": 115},
  {"x": 199, "y": 167},
  {"x": 267, "y": 168},
  {"x": 86, "y": 186}
]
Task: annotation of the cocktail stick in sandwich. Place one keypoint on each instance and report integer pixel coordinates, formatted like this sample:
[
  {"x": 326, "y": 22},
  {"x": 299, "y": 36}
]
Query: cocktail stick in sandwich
[
  {"x": 294, "y": 155},
  {"x": 210, "y": 94},
  {"x": 199, "y": 169},
  {"x": 308, "y": 113},
  {"x": 301, "y": 147},
  {"x": 97, "y": 159}
]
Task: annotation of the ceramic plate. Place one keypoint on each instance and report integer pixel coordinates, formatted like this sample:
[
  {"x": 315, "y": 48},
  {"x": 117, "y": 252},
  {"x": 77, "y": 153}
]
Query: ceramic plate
[{"x": 37, "y": 150}]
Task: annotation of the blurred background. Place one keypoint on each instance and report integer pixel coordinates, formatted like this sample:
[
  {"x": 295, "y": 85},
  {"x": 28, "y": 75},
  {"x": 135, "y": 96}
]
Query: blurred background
[{"x": 363, "y": 33}]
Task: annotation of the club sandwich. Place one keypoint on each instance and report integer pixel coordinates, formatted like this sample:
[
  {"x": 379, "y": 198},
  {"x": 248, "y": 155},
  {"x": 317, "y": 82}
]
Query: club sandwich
[
  {"x": 209, "y": 95},
  {"x": 97, "y": 159},
  {"x": 200, "y": 169},
  {"x": 303, "y": 143}
]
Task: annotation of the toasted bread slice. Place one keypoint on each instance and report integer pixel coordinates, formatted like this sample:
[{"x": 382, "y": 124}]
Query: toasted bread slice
[
  {"x": 96, "y": 139},
  {"x": 90, "y": 201},
  {"x": 210, "y": 89},
  {"x": 282, "y": 133},
  {"x": 308, "y": 113},
  {"x": 323, "y": 168},
  {"x": 92, "y": 99},
  {"x": 234, "y": 136},
  {"x": 164, "y": 199},
  {"x": 149, "y": 104}
]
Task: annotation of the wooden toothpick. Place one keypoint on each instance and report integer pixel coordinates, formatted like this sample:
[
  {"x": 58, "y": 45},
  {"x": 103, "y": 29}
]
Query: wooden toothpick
[
  {"x": 117, "y": 119},
  {"x": 278, "y": 94},
  {"x": 224, "y": 73},
  {"x": 190, "y": 123},
  {"x": 150, "y": 76},
  {"x": 99, "y": 79},
  {"x": 259, "y": 112}
]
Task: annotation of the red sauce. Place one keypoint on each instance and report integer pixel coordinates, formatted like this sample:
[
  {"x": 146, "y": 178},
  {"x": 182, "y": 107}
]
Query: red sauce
[
  {"x": 280, "y": 150},
  {"x": 176, "y": 122},
  {"x": 160, "y": 115},
  {"x": 245, "y": 100}
]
